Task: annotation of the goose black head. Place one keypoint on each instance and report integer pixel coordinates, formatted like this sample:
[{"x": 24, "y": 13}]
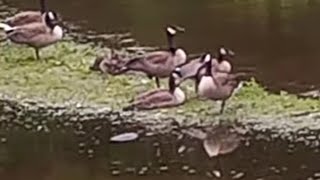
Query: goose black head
[
  {"x": 176, "y": 73},
  {"x": 206, "y": 59},
  {"x": 225, "y": 53},
  {"x": 173, "y": 30},
  {"x": 51, "y": 18},
  {"x": 175, "y": 78}
]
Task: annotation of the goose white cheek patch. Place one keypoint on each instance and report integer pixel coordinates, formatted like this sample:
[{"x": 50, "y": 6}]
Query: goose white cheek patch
[
  {"x": 223, "y": 51},
  {"x": 51, "y": 16},
  {"x": 207, "y": 58}
]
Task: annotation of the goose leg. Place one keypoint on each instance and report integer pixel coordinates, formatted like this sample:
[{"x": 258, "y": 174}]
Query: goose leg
[
  {"x": 157, "y": 82},
  {"x": 37, "y": 53},
  {"x": 222, "y": 106},
  {"x": 196, "y": 84}
]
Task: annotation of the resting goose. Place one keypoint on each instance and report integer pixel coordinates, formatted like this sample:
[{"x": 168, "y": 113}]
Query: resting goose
[
  {"x": 160, "y": 98},
  {"x": 27, "y": 17},
  {"x": 110, "y": 65},
  {"x": 36, "y": 35},
  {"x": 216, "y": 86},
  {"x": 159, "y": 64}
]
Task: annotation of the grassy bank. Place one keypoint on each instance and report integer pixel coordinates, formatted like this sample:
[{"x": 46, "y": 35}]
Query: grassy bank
[{"x": 63, "y": 75}]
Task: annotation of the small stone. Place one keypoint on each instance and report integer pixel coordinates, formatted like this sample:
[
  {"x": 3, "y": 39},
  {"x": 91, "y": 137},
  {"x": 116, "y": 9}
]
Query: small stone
[
  {"x": 164, "y": 168},
  {"x": 97, "y": 142},
  {"x": 185, "y": 168},
  {"x": 156, "y": 144},
  {"x": 141, "y": 173},
  {"x": 311, "y": 137},
  {"x": 208, "y": 174},
  {"x": 217, "y": 173},
  {"x": 145, "y": 168},
  {"x": 181, "y": 149},
  {"x": 148, "y": 134},
  {"x": 3, "y": 140},
  {"x": 115, "y": 163},
  {"x": 90, "y": 151},
  {"x": 317, "y": 175},
  {"x": 233, "y": 172},
  {"x": 239, "y": 175},
  {"x": 130, "y": 170},
  {"x": 303, "y": 166},
  {"x": 284, "y": 169},
  {"x": 115, "y": 172},
  {"x": 192, "y": 171}
]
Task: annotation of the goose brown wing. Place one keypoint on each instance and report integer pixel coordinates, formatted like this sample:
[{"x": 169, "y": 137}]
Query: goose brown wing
[
  {"x": 24, "y": 18},
  {"x": 159, "y": 57},
  {"x": 156, "y": 100},
  {"x": 160, "y": 96},
  {"x": 149, "y": 94},
  {"x": 190, "y": 69},
  {"x": 29, "y": 31}
]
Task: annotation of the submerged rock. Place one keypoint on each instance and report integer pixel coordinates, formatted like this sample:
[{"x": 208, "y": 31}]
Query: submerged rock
[{"x": 125, "y": 137}]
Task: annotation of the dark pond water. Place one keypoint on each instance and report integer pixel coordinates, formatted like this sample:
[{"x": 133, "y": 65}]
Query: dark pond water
[
  {"x": 279, "y": 39},
  {"x": 66, "y": 154}
]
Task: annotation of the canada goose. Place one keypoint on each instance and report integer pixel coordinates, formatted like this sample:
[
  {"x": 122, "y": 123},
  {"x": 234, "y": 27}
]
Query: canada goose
[
  {"x": 36, "y": 35},
  {"x": 216, "y": 86},
  {"x": 111, "y": 65},
  {"x": 27, "y": 17},
  {"x": 161, "y": 98},
  {"x": 159, "y": 64},
  {"x": 220, "y": 64}
]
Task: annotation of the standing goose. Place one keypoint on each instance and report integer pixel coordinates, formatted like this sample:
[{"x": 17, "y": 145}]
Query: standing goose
[
  {"x": 159, "y": 64},
  {"x": 27, "y": 17},
  {"x": 161, "y": 98},
  {"x": 216, "y": 86},
  {"x": 190, "y": 69},
  {"x": 35, "y": 35}
]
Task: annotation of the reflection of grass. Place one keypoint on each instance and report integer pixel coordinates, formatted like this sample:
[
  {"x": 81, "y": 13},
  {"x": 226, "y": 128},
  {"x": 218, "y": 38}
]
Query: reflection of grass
[{"x": 63, "y": 75}]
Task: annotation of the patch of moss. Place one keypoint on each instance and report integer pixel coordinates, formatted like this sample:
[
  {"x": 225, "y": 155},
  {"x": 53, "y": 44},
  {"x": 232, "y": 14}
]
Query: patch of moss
[{"x": 63, "y": 75}]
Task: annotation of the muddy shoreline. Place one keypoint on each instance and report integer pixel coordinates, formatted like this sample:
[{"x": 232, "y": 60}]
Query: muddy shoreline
[{"x": 36, "y": 116}]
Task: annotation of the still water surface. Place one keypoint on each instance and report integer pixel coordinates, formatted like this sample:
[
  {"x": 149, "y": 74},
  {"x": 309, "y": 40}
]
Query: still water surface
[{"x": 278, "y": 39}]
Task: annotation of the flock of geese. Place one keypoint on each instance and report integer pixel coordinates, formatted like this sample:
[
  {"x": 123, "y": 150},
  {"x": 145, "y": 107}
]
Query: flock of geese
[{"x": 212, "y": 74}]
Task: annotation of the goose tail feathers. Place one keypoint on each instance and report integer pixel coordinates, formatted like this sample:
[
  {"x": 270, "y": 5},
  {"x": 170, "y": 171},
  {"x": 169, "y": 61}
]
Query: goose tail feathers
[{"x": 6, "y": 27}]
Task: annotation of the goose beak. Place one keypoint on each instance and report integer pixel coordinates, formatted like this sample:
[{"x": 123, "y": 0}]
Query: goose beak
[
  {"x": 231, "y": 53},
  {"x": 178, "y": 28}
]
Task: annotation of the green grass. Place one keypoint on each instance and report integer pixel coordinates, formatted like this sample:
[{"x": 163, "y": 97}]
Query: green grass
[{"x": 63, "y": 75}]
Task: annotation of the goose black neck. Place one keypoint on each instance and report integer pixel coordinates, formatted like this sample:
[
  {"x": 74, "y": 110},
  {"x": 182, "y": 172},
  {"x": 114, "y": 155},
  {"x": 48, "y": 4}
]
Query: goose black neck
[
  {"x": 220, "y": 57},
  {"x": 170, "y": 43},
  {"x": 172, "y": 85},
  {"x": 43, "y": 8},
  {"x": 208, "y": 68}
]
